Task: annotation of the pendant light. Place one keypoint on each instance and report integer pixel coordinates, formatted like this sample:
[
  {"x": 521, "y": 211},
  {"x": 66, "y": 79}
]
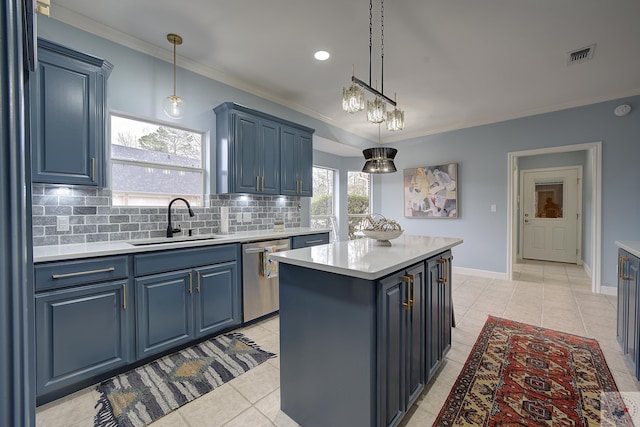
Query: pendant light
[
  {"x": 379, "y": 159},
  {"x": 173, "y": 105}
]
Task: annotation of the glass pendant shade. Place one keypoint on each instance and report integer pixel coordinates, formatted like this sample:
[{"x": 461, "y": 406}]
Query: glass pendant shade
[
  {"x": 395, "y": 120},
  {"x": 352, "y": 98},
  {"x": 379, "y": 160},
  {"x": 376, "y": 110},
  {"x": 173, "y": 106}
]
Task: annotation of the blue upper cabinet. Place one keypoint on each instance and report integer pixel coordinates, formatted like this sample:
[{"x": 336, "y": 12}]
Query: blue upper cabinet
[
  {"x": 68, "y": 115},
  {"x": 296, "y": 159},
  {"x": 250, "y": 157}
]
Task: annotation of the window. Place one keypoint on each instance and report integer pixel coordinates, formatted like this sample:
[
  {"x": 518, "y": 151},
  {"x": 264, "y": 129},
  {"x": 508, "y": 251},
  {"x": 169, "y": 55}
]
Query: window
[
  {"x": 152, "y": 163},
  {"x": 322, "y": 202},
  {"x": 358, "y": 200}
]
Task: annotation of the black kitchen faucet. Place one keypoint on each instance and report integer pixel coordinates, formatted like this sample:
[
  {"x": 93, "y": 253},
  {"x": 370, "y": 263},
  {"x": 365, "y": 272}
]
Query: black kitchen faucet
[{"x": 170, "y": 229}]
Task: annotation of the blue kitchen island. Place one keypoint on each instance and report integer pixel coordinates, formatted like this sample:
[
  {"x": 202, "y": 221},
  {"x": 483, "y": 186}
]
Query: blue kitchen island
[{"x": 363, "y": 328}]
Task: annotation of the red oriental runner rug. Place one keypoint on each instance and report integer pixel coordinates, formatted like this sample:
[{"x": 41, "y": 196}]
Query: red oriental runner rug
[{"x": 523, "y": 375}]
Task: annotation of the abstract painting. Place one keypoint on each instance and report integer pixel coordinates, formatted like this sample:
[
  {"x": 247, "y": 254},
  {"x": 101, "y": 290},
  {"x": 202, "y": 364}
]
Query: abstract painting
[{"x": 431, "y": 191}]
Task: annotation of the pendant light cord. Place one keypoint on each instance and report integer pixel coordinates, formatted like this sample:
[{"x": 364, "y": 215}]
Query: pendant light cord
[{"x": 174, "y": 68}]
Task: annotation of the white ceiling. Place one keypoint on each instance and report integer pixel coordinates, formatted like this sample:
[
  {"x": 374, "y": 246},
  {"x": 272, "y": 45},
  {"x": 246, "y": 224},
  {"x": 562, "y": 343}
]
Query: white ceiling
[{"x": 452, "y": 63}]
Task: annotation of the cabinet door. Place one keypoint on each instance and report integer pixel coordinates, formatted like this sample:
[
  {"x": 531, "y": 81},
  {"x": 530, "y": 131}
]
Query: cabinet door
[
  {"x": 217, "y": 298},
  {"x": 289, "y": 184},
  {"x": 393, "y": 305},
  {"x": 446, "y": 302},
  {"x": 81, "y": 332},
  {"x": 623, "y": 297},
  {"x": 269, "y": 157},
  {"x": 309, "y": 240},
  {"x": 305, "y": 164},
  {"x": 434, "y": 355},
  {"x": 68, "y": 116},
  {"x": 164, "y": 311},
  {"x": 247, "y": 154},
  {"x": 416, "y": 337},
  {"x": 631, "y": 340},
  {"x": 296, "y": 162}
]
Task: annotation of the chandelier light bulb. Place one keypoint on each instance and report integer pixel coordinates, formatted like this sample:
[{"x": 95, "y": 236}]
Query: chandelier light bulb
[
  {"x": 352, "y": 98},
  {"x": 395, "y": 120},
  {"x": 376, "y": 110}
]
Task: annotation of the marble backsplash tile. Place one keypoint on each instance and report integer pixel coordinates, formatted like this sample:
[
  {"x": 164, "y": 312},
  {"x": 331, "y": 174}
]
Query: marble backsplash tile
[{"x": 93, "y": 219}]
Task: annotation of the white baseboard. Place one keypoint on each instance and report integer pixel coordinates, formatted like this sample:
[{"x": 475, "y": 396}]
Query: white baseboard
[
  {"x": 480, "y": 273},
  {"x": 608, "y": 290}
]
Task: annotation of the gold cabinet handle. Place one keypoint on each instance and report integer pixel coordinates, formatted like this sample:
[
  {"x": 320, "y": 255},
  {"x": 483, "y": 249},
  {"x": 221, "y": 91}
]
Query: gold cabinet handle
[
  {"x": 407, "y": 280},
  {"x": 190, "y": 283},
  {"x": 81, "y": 273},
  {"x": 124, "y": 296},
  {"x": 93, "y": 169},
  {"x": 198, "y": 285},
  {"x": 263, "y": 183},
  {"x": 412, "y": 295},
  {"x": 312, "y": 242},
  {"x": 257, "y": 183},
  {"x": 622, "y": 261}
]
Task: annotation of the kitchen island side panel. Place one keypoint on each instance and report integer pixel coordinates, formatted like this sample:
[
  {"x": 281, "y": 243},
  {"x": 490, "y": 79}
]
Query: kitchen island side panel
[{"x": 327, "y": 348}]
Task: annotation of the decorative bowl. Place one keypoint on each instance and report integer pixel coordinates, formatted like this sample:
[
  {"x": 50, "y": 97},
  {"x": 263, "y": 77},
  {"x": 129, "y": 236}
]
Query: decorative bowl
[{"x": 382, "y": 237}]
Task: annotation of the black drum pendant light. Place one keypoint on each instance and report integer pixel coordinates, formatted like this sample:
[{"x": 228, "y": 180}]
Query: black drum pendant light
[{"x": 378, "y": 159}]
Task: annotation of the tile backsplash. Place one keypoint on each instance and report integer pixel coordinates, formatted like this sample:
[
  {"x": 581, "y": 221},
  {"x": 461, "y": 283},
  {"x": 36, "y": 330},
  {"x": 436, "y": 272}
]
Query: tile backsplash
[{"x": 93, "y": 219}]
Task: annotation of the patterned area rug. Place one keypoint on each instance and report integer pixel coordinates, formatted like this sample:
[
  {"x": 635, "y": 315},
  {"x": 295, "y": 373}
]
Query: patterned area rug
[
  {"x": 523, "y": 375},
  {"x": 141, "y": 396}
]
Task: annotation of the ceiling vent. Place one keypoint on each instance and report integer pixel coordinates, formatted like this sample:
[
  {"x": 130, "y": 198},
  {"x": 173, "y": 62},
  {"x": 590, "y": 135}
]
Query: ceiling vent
[{"x": 580, "y": 55}]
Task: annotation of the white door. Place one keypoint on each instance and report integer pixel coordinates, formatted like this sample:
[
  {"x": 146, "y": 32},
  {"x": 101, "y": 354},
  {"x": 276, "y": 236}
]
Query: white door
[{"x": 550, "y": 214}]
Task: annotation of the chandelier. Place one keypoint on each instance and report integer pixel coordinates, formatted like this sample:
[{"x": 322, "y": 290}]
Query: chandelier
[{"x": 378, "y": 159}]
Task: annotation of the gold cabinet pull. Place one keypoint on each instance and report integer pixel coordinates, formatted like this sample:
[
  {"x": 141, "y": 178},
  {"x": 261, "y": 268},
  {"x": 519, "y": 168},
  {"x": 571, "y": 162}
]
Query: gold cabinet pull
[
  {"x": 257, "y": 183},
  {"x": 93, "y": 169},
  {"x": 407, "y": 280},
  {"x": 124, "y": 296},
  {"x": 81, "y": 273},
  {"x": 198, "y": 285},
  {"x": 623, "y": 260},
  {"x": 263, "y": 183},
  {"x": 412, "y": 295},
  {"x": 190, "y": 283},
  {"x": 312, "y": 242}
]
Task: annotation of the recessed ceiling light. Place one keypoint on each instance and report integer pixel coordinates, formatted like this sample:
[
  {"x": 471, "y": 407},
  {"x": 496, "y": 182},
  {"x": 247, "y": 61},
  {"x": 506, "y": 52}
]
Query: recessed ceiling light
[{"x": 321, "y": 55}]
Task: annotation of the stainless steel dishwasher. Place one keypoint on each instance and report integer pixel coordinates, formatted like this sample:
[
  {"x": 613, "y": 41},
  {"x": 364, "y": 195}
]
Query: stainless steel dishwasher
[{"x": 259, "y": 293}]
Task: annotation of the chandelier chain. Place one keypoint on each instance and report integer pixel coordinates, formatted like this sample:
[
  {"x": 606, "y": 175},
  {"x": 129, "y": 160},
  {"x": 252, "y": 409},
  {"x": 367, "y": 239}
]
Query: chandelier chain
[
  {"x": 370, "y": 36},
  {"x": 382, "y": 46}
]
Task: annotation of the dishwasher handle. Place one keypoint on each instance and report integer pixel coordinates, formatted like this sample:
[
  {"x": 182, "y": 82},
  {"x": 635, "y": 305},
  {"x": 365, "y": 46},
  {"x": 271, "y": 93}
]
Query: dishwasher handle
[{"x": 259, "y": 250}]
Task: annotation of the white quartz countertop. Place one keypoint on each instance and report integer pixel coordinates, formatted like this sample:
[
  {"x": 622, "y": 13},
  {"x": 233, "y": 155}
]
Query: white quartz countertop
[
  {"x": 88, "y": 250},
  {"x": 363, "y": 259},
  {"x": 630, "y": 246}
]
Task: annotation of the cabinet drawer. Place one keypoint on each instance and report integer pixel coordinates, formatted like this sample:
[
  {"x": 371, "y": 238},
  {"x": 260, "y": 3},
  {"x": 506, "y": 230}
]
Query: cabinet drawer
[
  {"x": 309, "y": 240},
  {"x": 178, "y": 259},
  {"x": 68, "y": 273}
]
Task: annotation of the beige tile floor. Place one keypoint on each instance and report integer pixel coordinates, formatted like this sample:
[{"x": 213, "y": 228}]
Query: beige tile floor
[{"x": 556, "y": 296}]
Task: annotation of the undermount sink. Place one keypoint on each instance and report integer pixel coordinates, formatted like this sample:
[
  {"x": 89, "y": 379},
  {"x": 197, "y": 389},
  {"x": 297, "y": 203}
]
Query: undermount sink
[{"x": 162, "y": 240}]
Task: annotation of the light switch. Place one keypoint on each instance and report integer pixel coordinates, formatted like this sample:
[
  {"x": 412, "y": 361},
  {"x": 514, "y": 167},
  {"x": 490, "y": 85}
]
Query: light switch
[
  {"x": 239, "y": 217},
  {"x": 62, "y": 223},
  {"x": 494, "y": 208},
  {"x": 247, "y": 217}
]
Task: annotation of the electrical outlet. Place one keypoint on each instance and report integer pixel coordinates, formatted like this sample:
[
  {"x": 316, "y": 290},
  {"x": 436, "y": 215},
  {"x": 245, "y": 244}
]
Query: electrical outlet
[
  {"x": 62, "y": 223},
  {"x": 239, "y": 217},
  {"x": 247, "y": 217},
  {"x": 494, "y": 208}
]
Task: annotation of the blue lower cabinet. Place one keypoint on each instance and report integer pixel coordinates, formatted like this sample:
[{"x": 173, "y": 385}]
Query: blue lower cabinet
[
  {"x": 217, "y": 298},
  {"x": 439, "y": 311},
  {"x": 176, "y": 307},
  {"x": 628, "y": 323},
  {"x": 164, "y": 311},
  {"x": 81, "y": 333},
  {"x": 401, "y": 338},
  {"x": 309, "y": 240}
]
